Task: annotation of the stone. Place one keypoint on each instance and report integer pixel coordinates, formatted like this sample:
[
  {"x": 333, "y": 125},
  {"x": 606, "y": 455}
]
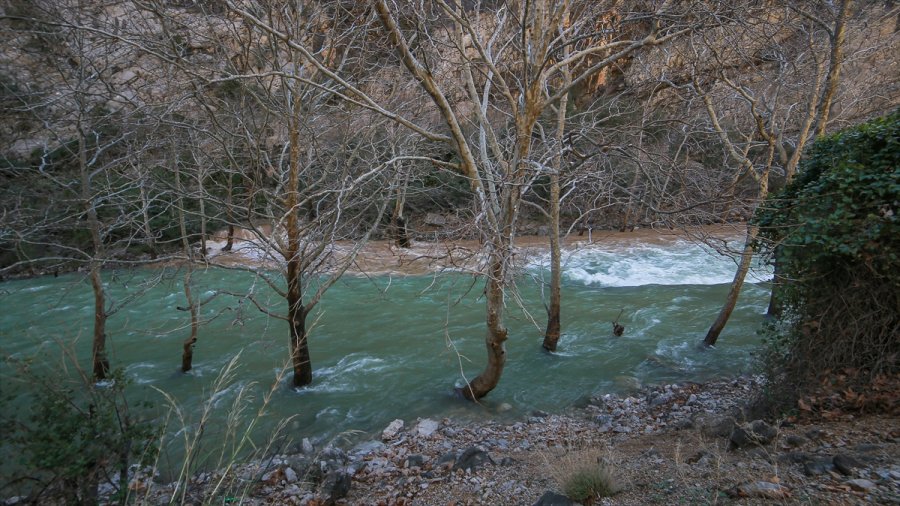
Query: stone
[
  {"x": 426, "y": 427},
  {"x": 861, "y": 485},
  {"x": 846, "y": 463},
  {"x": 551, "y": 498},
  {"x": 435, "y": 220},
  {"x": 794, "y": 441},
  {"x": 415, "y": 461},
  {"x": 757, "y": 432},
  {"x": 794, "y": 457},
  {"x": 290, "y": 476},
  {"x": 447, "y": 459},
  {"x": 336, "y": 486},
  {"x": 717, "y": 426},
  {"x": 818, "y": 466},
  {"x": 366, "y": 447},
  {"x": 763, "y": 489},
  {"x": 307, "y": 447},
  {"x": 391, "y": 431},
  {"x": 472, "y": 458}
]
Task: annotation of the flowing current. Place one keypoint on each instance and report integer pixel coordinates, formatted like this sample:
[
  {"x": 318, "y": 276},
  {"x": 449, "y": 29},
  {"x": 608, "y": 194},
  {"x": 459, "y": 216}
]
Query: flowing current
[{"x": 393, "y": 346}]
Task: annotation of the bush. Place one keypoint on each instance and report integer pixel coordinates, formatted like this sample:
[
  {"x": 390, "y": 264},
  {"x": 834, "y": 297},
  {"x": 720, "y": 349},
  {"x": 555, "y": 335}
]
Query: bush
[
  {"x": 836, "y": 236},
  {"x": 71, "y": 435}
]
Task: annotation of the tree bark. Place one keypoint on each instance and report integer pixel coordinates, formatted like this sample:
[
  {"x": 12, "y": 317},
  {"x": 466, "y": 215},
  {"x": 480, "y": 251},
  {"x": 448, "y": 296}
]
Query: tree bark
[
  {"x": 100, "y": 364},
  {"x": 187, "y": 354},
  {"x": 497, "y": 333},
  {"x": 99, "y": 361},
  {"x": 300, "y": 358},
  {"x": 834, "y": 71},
  {"x": 554, "y": 323},
  {"x": 731, "y": 300}
]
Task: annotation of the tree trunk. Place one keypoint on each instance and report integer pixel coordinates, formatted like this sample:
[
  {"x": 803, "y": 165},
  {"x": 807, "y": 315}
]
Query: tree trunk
[
  {"x": 554, "y": 324},
  {"x": 100, "y": 363},
  {"x": 187, "y": 355},
  {"x": 228, "y": 211},
  {"x": 834, "y": 71},
  {"x": 300, "y": 358},
  {"x": 497, "y": 334},
  {"x": 145, "y": 214},
  {"x": 398, "y": 221},
  {"x": 731, "y": 300},
  {"x": 296, "y": 311}
]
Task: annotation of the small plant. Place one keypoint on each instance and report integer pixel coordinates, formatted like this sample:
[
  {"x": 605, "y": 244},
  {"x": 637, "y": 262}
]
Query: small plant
[
  {"x": 590, "y": 482},
  {"x": 585, "y": 475}
]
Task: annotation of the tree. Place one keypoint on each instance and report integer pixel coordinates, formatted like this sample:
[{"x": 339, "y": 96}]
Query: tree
[
  {"x": 82, "y": 125},
  {"x": 489, "y": 45}
]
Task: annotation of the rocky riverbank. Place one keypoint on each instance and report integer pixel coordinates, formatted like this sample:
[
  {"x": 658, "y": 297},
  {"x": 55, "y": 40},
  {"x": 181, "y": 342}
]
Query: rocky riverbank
[{"x": 684, "y": 443}]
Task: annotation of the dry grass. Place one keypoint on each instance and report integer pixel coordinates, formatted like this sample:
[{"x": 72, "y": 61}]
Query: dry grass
[{"x": 584, "y": 475}]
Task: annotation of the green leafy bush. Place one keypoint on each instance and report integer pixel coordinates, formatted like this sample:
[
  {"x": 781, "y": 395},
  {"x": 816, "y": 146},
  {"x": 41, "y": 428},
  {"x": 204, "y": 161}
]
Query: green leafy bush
[
  {"x": 71, "y": 435},
  {"x": 835, "y": 234}
]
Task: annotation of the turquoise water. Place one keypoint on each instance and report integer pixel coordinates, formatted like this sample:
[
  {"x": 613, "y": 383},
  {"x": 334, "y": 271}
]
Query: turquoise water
[{"x": 391, "y": 347}]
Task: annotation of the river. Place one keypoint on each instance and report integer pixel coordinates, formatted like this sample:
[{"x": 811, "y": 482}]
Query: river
[{"x": 393, "y": 346}]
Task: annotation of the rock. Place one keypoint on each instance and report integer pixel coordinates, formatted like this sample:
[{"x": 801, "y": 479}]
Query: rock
[
  {"x": 794, "y": 457},
  {"x": 336, "y": 486},
  {"x": 845, "y": 463},
  {"x": 290, "y": 476},
  {"x": 539, "y": 414},
  {"x": 861, "y": 485},
  {"x": 435, "y": 220},
  {"x": 757, "y": 432},
  {"x": 426, "y": 427},
  {"x": 365, "y": 448},
  {"x": 472, "y": 458},
  {"x": 818, "y": 466},
  {"x": 551, "y": 498},
  {"x": 764, "y": 489},
  {"x": 415, "y": 461},
  {"x": 391, "y": 431},
  {"x": 717, "y": 426},
  {"x": 447, "y": 460},
  {"x": 307, "y": 447},
  {"x": 794, "y": 441},
  {"x": 661, "y": 399}
]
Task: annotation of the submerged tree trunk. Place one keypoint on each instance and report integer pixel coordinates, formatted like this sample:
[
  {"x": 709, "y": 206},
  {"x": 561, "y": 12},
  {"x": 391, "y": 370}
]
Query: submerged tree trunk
[
  {"x": 187, "y": 354},
  {"x": 554, "y": 323},
  {"x": 497, "y": 333},
  {"x": 100, "y": 364},
  {"x": 99, "y": 361},
  {"x": 731, "y": 300},
  {"x": 300, "y": 358}
]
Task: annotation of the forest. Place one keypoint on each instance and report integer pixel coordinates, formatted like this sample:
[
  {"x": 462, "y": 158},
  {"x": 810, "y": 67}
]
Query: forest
[{"x": 147, "y": 144}]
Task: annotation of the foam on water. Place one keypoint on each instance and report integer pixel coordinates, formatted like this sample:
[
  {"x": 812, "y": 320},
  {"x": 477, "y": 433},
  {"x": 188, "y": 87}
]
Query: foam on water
[{"x": 678, "y": 263}]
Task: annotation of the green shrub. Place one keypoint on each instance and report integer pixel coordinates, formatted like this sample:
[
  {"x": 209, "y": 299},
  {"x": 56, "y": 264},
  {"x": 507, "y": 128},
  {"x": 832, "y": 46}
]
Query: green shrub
[
  {"x": 71, "y": 435},
  {"x": 836, "y": 236}
]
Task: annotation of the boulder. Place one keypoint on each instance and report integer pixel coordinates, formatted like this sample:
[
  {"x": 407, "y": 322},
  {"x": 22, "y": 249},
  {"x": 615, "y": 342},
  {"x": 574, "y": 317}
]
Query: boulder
[
  {"x": 472, "y": 458},
  {"x": 551, "y": 498},
  {"x": 817, "y": 466},
  {"x": 861, "y": 485},
  {"x": 426, "y": 427},
  {"x": 757, "y": 432},
  {"x": 845, "y": 463},
  {"x": 335, "y": 486},
  {"x": 391, "y": 431}
]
